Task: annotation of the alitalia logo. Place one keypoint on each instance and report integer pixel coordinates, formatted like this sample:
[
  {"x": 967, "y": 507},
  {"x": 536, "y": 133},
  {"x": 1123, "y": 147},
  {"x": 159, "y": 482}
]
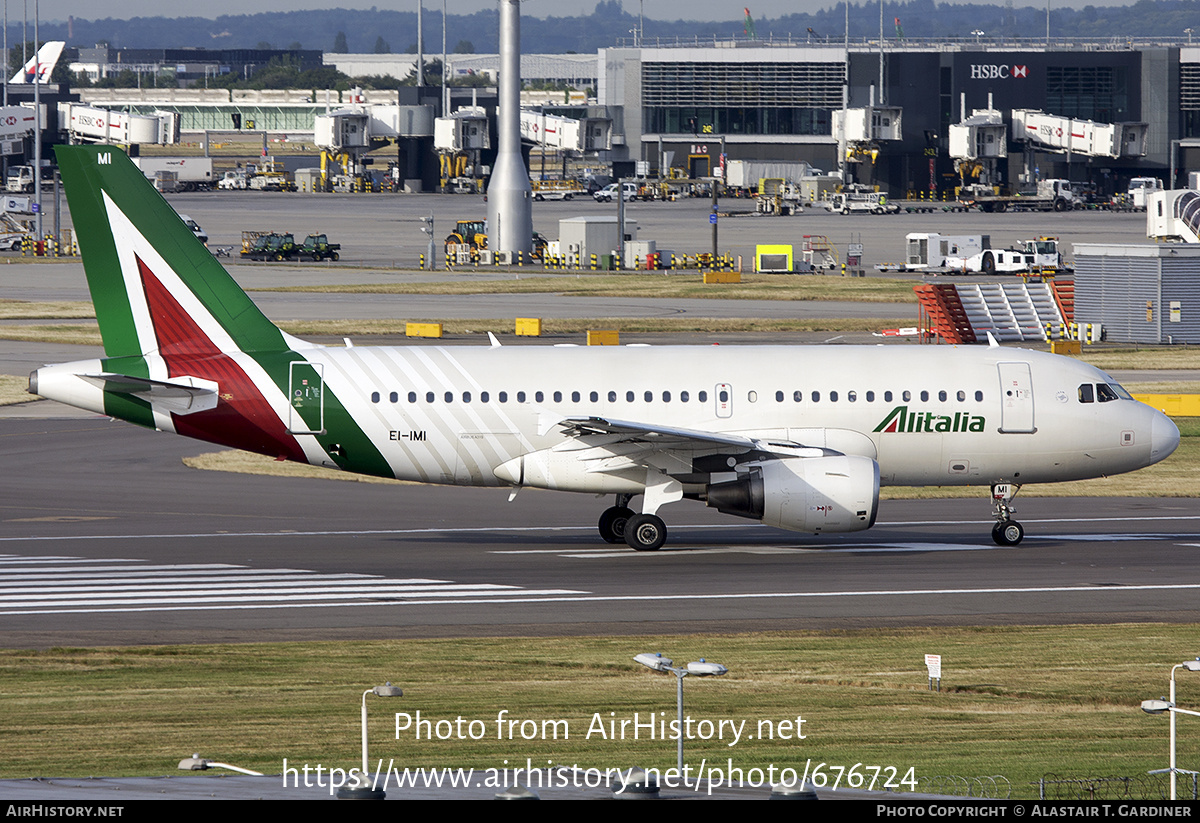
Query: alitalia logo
[{"x": 900, "y": 419}]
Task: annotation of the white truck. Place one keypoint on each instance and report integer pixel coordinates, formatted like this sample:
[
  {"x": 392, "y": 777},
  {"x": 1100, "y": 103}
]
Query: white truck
[
  {"x": 1139, "y": 189},
  {"x": 233, "y": 181},
  {"x": 1034, "y": 255},
  {"x": 929, "y": 250},
  {"x": 856, "y": 201},
  {"x": 191, "y": 173},
  {"x": 20, "y": 179},
  {"x": 1051, "y": 195},
  {"x": 746, "y": 174}
]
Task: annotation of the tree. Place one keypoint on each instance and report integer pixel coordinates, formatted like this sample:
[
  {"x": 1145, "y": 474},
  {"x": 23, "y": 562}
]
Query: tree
[
  {"x": 382, "y": 46},
  {"x": 339, "y": 44},
  {"x": 464, "y": 47}
]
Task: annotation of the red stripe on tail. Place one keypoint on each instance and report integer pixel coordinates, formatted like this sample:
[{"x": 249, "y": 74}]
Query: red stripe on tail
[{"x": 243, "y": 418}]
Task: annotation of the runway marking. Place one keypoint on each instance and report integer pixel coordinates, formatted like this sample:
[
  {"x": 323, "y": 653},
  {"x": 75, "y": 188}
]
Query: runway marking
[
  {"x": 706, "y": 527},
  {"x": 61, "y": 585},
  {"x": 521, "y": 597}
]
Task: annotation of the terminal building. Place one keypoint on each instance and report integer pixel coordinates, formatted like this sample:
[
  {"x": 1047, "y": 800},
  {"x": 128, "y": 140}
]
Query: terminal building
[
  {"x": 777, "y": 102},
  {"x": 695, "y": 106}
]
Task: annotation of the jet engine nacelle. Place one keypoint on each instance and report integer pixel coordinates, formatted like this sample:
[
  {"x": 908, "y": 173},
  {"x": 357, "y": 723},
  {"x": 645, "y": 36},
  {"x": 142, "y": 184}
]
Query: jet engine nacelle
[{"x": 814, "y": 494}]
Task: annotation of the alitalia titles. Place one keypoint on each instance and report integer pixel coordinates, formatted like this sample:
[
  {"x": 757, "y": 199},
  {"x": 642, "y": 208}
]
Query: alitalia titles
[{"x": 901, "y": 420}]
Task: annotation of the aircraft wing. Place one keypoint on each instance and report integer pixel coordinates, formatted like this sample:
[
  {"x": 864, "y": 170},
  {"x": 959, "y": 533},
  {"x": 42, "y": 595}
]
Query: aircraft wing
[
  {"x": 183, "y": 395},
  {"x": 653, "y": 437}
]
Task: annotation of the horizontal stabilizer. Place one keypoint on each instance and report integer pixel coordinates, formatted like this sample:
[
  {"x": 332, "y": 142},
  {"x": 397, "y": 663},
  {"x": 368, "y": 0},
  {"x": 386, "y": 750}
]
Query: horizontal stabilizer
[{"x": 183, "y": 395}]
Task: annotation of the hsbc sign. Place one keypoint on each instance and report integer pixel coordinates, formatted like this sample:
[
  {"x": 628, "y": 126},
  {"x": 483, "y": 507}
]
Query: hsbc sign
[{"x": 993, "y": 71}]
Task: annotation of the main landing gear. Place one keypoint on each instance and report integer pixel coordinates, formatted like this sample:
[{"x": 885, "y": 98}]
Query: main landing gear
[
  {"x": 621, "y": 524},
  {"x": 1006, "y": 532}
]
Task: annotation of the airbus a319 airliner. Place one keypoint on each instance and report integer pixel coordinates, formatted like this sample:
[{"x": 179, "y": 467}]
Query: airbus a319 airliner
[{"x": 799, "y": 438}]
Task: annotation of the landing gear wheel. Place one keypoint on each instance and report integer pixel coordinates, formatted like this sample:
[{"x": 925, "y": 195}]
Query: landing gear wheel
[
  {"x": 645, "y": 532},
  {"x": 613, "y": 523},
  {"x": 1008, "y": 534}
]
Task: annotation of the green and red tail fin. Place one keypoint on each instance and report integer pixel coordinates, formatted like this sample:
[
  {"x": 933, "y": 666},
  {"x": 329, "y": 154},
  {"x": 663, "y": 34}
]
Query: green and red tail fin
[{"x": 154, "y": 284}]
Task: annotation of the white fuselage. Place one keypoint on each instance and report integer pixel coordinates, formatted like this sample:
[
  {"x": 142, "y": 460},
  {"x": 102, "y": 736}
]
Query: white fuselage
[
  {"x": 935, "y": 415},
  {"x": 959, "y": 424}
]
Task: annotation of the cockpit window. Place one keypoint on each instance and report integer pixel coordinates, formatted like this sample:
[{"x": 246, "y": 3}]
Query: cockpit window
[
  {"x": 1105, "y": 393},
  {"x": 1121, "y": 393},
  {"x": 1086, "y": 394}
]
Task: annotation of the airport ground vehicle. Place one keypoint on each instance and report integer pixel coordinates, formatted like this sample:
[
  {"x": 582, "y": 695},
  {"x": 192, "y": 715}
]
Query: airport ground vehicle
[
  {"x": 557, "y": 189},
  {"x": 471, "y": 236},
  {"x": 1039, "y": 254},
  {"x": 200, "y": 233},
  {"x": 629, "y": 191},
  {"x": 856, "y": 200},
  {"x": 318, "y": 247},
  {"x": 191, "y": 173},
  {"x": 271, "y": 246},
  {"x": 799, "y": 438},
  {"x": 1050, "y": 195},
  {"x": 233, "y": 181},
  {"x": 20, "y": 180}
]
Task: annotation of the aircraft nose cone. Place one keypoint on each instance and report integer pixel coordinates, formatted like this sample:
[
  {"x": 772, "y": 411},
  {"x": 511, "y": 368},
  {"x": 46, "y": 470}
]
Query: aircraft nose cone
[{"x": 1164, "y": 437}]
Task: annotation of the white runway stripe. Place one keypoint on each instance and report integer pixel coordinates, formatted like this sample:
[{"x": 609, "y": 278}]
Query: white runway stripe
[{"x": 48, "y": 585}]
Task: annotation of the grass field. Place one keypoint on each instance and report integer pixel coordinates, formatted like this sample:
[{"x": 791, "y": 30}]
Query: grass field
[
  {"x": 1019, "y": 702},
  {"x": 661, "y": 286}
]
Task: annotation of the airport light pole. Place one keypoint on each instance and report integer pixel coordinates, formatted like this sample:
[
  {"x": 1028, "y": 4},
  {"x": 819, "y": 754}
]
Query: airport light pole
[
  {"x": 1160, "y": 706},
  {"x": 386, "y": 690},
  {"x": 366, "y": 790},
  {"x": 701, "y": 668},
  {"x": 196, "y": 763}
]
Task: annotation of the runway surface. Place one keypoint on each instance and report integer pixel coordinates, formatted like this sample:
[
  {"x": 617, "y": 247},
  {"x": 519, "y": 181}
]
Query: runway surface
[{"x": 108, "y": 539}]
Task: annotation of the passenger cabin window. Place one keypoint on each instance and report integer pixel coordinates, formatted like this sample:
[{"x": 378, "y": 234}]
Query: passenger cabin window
[
  {"x": 374, "y": 397},
  {"x": 412, "y": 397},
  {"x": 394, "y": 397},
  {"x": 702, "y": 396},
  {"x": 520, "y": 397}
]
